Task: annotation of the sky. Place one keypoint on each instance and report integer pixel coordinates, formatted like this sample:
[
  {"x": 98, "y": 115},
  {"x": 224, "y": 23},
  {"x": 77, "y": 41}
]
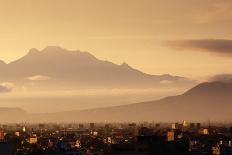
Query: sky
[{"x": 187, "y": 38}]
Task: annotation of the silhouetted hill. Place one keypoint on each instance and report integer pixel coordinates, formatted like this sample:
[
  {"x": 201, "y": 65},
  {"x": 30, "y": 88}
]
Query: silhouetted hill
[
  {"x": 2, "y": 62},
  {"x": 206, "y": 101},
  {"x": 211, "y": 89},
  {"x": 2, "y": 65},
  {"x": 75, "y": 69}
]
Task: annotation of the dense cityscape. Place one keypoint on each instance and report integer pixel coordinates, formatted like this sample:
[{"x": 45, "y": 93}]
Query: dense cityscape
[{"x": 116, "y": 139}]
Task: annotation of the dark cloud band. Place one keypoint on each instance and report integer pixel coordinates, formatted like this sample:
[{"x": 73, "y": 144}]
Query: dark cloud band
[{"x": 217, "y": 46}]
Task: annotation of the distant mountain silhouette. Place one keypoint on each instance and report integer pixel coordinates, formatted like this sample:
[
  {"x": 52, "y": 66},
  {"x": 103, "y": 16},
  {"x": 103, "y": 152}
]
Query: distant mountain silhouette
[
  {"x": 76, "y": 69},
  {"x": 207, "y": 101},
  {"x": 2, "y": 65}
]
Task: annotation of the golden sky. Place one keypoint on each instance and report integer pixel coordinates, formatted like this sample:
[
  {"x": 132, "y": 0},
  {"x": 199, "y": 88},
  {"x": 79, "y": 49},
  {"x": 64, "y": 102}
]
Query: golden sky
[{"x": 132, "y": 31}]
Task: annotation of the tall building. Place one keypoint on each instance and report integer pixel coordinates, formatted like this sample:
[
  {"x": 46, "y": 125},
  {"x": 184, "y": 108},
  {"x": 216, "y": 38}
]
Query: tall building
[
  {"x": 170, "y": 136},
  {"x": 185, "y": 124},
  {"x": 2, "y": 135}
]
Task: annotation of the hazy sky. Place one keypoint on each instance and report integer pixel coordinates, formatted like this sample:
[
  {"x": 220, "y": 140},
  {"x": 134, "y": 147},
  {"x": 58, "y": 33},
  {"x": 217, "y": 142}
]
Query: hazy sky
[{"x": 155, "y": 36}]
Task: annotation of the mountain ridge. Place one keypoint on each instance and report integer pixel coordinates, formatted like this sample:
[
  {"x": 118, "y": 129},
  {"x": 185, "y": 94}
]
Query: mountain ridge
[
  {"x": 77, "y": 69},
  {"x": 187, "y": 106}
]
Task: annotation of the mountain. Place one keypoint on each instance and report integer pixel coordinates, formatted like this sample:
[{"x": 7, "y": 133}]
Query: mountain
[
  {"x": 206, "y": 101},
  {"x": 2, "y": 65},
  {"x": 58, "y": 68}
]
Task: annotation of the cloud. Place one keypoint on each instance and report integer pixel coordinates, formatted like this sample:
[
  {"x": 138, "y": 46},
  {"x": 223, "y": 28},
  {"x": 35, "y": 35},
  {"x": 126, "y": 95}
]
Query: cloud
[
  {"x": 215, "y": 46},
  {"x": 39, "y": 78},
  {"x": 221, "y": 78},
  {"x": 6, "y": 87}
]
